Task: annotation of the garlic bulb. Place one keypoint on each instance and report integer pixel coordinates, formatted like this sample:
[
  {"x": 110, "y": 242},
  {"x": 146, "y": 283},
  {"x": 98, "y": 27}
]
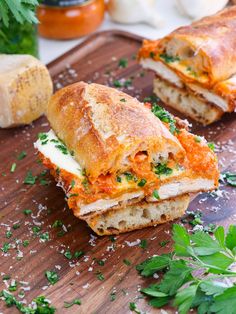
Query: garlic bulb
[
  {"x": 197, "y": 9},
  {"x": 134, "y": 11}
]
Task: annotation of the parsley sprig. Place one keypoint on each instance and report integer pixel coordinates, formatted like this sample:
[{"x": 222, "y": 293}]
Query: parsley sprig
[
  {"x": 195, "y": 273},
  {"x": 21, "y": 10}
]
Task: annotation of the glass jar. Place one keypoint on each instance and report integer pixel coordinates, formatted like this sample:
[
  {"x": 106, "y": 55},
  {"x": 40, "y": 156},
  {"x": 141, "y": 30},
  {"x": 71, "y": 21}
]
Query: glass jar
[
  {"x": 18, "y": 38},
  {"x": 67, "y": 19}
]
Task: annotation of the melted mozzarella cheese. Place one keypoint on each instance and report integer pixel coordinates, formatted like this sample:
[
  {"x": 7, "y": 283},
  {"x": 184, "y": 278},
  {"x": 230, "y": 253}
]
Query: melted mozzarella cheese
[{"x": 48, "y": 148}]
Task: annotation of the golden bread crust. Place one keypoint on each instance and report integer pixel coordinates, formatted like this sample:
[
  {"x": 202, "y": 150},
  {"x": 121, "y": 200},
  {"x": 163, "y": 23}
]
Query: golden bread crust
[{"x": 104, "y": 127}]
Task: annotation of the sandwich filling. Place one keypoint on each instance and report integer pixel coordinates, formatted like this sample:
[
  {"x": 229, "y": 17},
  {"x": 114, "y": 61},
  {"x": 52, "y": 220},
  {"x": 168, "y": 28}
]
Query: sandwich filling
[{"x": 161, "y": 178}]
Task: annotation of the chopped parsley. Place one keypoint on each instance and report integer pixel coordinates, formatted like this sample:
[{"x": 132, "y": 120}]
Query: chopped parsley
[
  {"x": 168, "y": 59},
  {"x": 36, "y": 229},
  {"x": 13, "y": 286},
  {"x": 25, "y": 243},
  {"x": 68, "y": 254},
  {"x": 164, "y": 116},
  {"x": 123, "y": 63},
  {"x": 73, "y": 195},
  {"x": 16, "y": 226},
  {"x": 6, "y": 246},
  {"x": 191, "y": 71},
  {"x": 133, "y": 308},
  {"x": 27, "y": 212},
  {"x": 30, "y": 179},
  {"x": 100, "y": 262},
  {"x": 230, "y": 178},
  {"x": 112, "y": 238},
  {"x": 44, "y": 237},
  {"x": 57, "y": 224},
  {"x": 44, "y": 182},
  {"x": 130, "y": 177},
  {"x": 112, "y": 296},
  {"x": 22, "y": 155},
  {"x": 8, "y": 234},
  {"x": 162, "y": 169},
  {"x": 211, "y": 145},
  {"x": 123, "y": 100},
  {"x": 42, "y": 305},
  {"x": 100, "y": 276},
  {"x": 78, "y": 254},
  {"x": 126, "y": 262},
  {"x": 42, "y": 136},
  {"x": 152, "y": 54},
  {"x": 156, "y": 194},
  {"x": 70, "y": 304},
  {"x": 72, "y": 184},
  {"x": 52, "y": 276},
  {"x": 164, "y": 243},
  {"x": 13, "y": 167},
  {"x": 62, "y": 148},
  {"x": 143, "y": 244},
  {"x": 197, "y": 139},
  {"x": 117, "y": 83},
  {"x": 142, "y": 182},
  {"x": 118, "y": 179}
]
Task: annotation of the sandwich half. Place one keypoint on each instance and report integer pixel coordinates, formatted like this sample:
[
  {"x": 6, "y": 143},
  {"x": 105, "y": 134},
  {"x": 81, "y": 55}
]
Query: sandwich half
[
  {"x": 115, "y": 158},
  {"x": 195, "y": 67}
]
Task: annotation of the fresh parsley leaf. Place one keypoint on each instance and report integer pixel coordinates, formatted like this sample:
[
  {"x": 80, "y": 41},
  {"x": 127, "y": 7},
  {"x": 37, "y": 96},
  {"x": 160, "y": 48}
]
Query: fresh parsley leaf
[
  {"x": 178, "y": 274},
  {"x": 154, "y": 264},
  {"x": 230, "y": 240},
  {"x": 184, "y": 298},
  {"x": 225, "y": 302},
  {"x": 204, "y": 244},
  {"x": 182, "y": 240}
]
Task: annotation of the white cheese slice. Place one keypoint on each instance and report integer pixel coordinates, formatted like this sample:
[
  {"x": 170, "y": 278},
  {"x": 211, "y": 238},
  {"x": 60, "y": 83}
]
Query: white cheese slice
[
  {"x": 162, "y": 70},
  {"x": 63, "y": 161}
]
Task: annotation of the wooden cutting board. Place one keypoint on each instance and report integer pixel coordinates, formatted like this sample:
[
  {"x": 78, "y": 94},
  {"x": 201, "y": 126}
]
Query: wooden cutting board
[{"x": 95, "y": 60}]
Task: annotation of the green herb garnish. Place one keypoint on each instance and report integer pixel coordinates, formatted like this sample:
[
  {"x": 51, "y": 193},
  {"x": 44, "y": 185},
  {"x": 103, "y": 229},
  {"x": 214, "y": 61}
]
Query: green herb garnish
[
  {"x": 211, "y": 145},
  {"x": 142, "y": 182},
  {"x": 8, "y": 234},
  {"x": 164, "y": 116},
  {"x": 62, "y": 148},
  {"x": 68, "y": 254},
  {"x": 162, "y": 169},
  {"x": 6, "y": 246},
  {"x": 57, "y": 224},
  {"x": 123, "y": 100},
  {"x": 45, "y": 236},
  {"x": 27, "y": 212},
  {"x": 21, "y": 155},
  {"x": 194, "y": 273},
  {"x": 52, "y": 276},
  {"x": 169, "y": 59},
  {"x": 25, "y": 243},
  {"x": 30, "y": 179},
  {"x": 197, "y": 139},
  {"x": 100, "y": 276},
  {"x": 133, "y": 308},
  {"x": 230, "y": 178},
  {"x": 126, "y": 262},
  {"x": 112, "y": 296},
  {"x": 143, "y": 244},
  {"x": 156, "y": 194},
  {"x": 123, "y": 63},
  {"x": 13, "y": 167},
  {"x": 70, "y": 304}
]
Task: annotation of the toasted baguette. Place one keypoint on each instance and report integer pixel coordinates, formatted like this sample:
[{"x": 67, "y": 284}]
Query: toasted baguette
[
  {"x": 105, "y": 127},
  {"x": 186, "y": 102},
  {"x": 138, "y": 216}
]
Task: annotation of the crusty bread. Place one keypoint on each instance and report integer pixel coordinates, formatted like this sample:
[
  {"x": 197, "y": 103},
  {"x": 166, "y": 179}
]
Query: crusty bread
[
  {"x": 104, "y": 127},
  {"x": 25, "y": 89},
  {"x": 138, "y": 216},
  {"x": 186, "y": 102}
]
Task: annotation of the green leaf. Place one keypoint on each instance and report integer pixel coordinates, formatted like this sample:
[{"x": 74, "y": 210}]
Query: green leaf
[
  {"x": 217, "y": 262},
  {"x": 184, "y": 298},
  {"x": 225, "y": 303},
  {"x": 181, "y": 239},
  {"x": 219, "y": 234},
  {"x": 204, "y": 244},
  {"x": 212, "y": 287},
  {"x": 153, "y": 291},
  {"x": 230, "y": 240},
  {"x": 178, "y": 274},
  {"x": 154, "y": 264},
  {"x": 159, "y": 302}
]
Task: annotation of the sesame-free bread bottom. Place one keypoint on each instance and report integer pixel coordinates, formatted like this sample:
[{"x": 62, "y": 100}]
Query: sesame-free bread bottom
[
  {"x": 138, "y": 216},
  {"x": 186, "y": 102}
]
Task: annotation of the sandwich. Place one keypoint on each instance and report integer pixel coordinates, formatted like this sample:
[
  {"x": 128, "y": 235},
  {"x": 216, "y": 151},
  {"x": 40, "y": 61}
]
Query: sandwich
[
  {"x": 195, "y": 67},
  {"x": 121, "y": 167}
]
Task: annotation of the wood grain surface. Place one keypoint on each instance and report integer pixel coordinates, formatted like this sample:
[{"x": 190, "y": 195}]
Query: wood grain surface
[{"x": 96, "y": 60}]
